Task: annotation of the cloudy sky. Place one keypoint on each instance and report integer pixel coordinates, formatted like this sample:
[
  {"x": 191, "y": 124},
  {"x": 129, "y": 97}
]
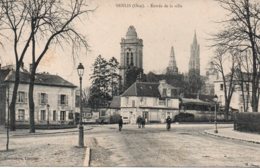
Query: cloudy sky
[{"x": 159, "y": 26}]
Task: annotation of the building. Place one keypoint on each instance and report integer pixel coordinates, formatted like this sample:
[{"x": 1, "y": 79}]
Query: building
[
  {"x": 242, "y": 94},
  {"x": 172, "y": 67},
  {"x": 131, "y": 52},
  {"x": 54, "y": 97},
  {"x": 153, "y": 101},
  {"x": 194, "y": 63},
  {"x": 211, "y": 76}
]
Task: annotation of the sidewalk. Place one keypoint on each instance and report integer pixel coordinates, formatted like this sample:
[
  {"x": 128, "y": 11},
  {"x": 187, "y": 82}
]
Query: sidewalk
[
  {"x": 25, "y": 132},
  {"x": 229, "y": 133}
]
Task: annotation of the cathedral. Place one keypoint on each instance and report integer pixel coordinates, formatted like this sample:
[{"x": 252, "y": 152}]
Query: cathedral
[
  {"x": 131, "y": 52},
  {"x": 194, "y": 64}
]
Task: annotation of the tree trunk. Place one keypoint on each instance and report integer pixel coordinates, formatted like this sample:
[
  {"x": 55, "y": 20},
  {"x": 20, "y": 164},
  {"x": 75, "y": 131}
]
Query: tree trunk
[
  {"x": 14, "y": 98},
  {"x": 31, "y": 101}
]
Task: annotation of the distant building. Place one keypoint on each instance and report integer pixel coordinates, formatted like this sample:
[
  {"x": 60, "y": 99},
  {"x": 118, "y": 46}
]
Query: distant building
[
  {"x": 194, "y": 63},
  {"x": 242, "y": 98},
  {"x": 54, "y": 97},
  {"x": 153, "y": 101},
  {"x": 211, "y": 76},
  {"x": 131, "y": 53},
  {"x": 172, "y": 67}
]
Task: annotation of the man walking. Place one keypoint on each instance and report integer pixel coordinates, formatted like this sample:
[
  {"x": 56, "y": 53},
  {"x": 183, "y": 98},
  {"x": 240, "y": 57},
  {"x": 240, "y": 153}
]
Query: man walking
[
  {"x": 168, "y": 121},
  {"x": 120, "y": 123},
  {"x": 139, "y": 121}
]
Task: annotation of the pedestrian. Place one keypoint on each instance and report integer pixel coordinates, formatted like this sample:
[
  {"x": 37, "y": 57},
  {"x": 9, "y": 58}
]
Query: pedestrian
[
  {"x": 120, "y": 123},
  {"x": 168, "y": 122},
  {"x": 139, "y": 121},
  {"x": 143, "y": 122}
]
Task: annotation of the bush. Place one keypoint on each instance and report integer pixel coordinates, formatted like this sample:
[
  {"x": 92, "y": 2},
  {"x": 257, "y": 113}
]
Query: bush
[
  {"x": 184, "y": 117},
  {"x": 248, "y": 122}
]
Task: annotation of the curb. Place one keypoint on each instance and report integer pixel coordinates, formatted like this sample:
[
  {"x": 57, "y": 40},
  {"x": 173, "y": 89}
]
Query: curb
[
  {"x": 87, "y": 158},
  {"x": 222, "y": 136}
]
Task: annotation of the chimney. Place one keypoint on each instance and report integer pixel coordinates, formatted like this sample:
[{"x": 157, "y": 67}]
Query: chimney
[{"x": 162, "y": 81}]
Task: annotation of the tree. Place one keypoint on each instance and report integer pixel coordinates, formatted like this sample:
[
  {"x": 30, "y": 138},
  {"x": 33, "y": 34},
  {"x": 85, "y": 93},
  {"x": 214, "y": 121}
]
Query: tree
[
  {"x": 99, "y": 90},
  {"x": 13, "y": 21},
  {"x": 132, "y": 74},
  {"x": 113, "y": 76},
  {"x": 219, "y": 61},
  {"x": 241, "y": 32},
  {"x": 194, "y": 82}
]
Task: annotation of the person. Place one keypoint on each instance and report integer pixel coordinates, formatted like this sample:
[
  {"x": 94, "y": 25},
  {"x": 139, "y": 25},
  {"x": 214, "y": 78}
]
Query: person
[
  {"x": 139, "y": 121},
  {"x": 168, "y": 121},
  {"x": 143, "y": 122},
  {"x": 120, "y": 123}
]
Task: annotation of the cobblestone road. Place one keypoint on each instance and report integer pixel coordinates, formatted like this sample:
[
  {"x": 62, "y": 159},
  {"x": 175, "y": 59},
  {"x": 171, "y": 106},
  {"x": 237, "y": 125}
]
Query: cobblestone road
[{"x": 184, "y": 145}]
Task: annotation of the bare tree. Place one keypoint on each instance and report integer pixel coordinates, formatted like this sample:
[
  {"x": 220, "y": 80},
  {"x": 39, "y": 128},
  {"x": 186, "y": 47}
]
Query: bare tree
[
  {"x": 219, "y": 61},
  {"x": 13, "y": 21},
  {"x": 241, "y": 32},
  {"x": 53, "y": 22}
]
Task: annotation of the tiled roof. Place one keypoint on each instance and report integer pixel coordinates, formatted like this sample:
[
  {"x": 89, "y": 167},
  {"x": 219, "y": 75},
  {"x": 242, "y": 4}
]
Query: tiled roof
[
  {"x": 195, "y": 101},
  {"x": 143, "y": 89},
  {"x": 115, "y": 103},
  {"x": 40, "y": 79}
]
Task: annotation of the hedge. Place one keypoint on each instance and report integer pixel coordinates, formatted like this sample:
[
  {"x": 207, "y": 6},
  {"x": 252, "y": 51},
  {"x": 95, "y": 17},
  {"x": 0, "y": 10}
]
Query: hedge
[{"x": 247, "y": 122}]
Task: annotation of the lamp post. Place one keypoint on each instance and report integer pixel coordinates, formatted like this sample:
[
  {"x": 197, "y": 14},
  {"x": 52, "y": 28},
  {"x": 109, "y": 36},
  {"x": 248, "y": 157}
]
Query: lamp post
[
  {"x": 81, "y": 129},
  {"x": 216, "y": 124}
]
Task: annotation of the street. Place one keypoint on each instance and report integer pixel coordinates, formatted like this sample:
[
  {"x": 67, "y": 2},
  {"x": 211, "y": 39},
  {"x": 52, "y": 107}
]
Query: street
[{"x": 183, "y": 145}]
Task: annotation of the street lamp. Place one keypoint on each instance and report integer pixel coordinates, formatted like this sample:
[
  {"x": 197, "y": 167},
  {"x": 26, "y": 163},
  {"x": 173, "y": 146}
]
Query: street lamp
[
  {"x": 81, "y": 129},
  {"x": 216, "y": 101}
]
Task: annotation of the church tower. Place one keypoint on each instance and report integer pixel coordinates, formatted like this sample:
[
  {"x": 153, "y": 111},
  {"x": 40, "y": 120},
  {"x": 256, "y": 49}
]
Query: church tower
[
  {"x": 194, "y": 64},
  {"x": 172, "y": 67},
  {"x": 131, "y": 52}
]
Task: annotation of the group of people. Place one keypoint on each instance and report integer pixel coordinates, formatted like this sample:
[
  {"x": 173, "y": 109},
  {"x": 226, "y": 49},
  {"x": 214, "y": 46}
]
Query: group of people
[{"x": 141, "y": 122}]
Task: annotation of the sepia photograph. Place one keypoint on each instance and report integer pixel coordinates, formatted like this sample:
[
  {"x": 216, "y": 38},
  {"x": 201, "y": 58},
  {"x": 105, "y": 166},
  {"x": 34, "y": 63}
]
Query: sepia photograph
[{"x": 130, "y": 83}]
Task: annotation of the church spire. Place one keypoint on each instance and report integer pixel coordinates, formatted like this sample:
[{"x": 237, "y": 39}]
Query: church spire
[
  {"x": 194, "y": 64},
  {"x": 172, "y": 67}
]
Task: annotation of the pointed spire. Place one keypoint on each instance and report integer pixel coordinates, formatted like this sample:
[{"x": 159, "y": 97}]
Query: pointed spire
[
  {"x": 195, "y": 37},
  {"x": 172, "y": 67}
]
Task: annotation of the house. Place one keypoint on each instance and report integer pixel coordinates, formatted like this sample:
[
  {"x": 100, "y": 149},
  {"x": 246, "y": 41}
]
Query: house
[
  {"x": 242, "y": 95},
  {"x": 54, "y": 97},
  {"x": 153, "y": 101}
]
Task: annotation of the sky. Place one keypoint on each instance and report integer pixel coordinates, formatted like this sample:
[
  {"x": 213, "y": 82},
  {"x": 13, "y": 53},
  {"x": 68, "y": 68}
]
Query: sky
[{"x": 159, "y": 26}]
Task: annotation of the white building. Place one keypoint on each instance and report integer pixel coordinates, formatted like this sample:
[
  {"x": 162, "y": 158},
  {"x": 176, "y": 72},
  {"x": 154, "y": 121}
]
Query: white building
[
  {"x": 153, "y": 101},
  {"x": 54, "y": 97}
]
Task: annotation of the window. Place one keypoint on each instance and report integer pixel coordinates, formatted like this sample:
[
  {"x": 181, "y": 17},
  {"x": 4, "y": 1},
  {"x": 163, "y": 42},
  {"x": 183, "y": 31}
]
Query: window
[
  {"x": 43, "y": 115},
  {"x": 77, "y": 101},
  {"x": 162, "y": 102},
  {"x": 22, "y": 97},
  {"x": 103, "y": 113},
  {"x": 133, "y": 103},
  {"x": 164, "y": 92},
  {"x": 127, "y": 58},
  {"x": 132, "y": 59},
  {"x": 63, "y": 99},
  {"x": 174, "y": 93},
  {"x": 221, "y": 86},
  {"x": 43, "y": 98},
  {"x": 21, "y": 114},
  {"x": 63, "y": 115},
  {"x": 54, "y": 115}
]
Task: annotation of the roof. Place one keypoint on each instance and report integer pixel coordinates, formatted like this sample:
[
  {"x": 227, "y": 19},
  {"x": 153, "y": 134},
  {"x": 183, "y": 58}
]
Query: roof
[
  {"x": 115, "y": 103},
  {"x": 195, "y": 101},
  {"x": 131, "y": 33},
  {"x": 143, "y": 89},
  {"x": 202, "y": 97},
  {"x": 40, "y": 78}
]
